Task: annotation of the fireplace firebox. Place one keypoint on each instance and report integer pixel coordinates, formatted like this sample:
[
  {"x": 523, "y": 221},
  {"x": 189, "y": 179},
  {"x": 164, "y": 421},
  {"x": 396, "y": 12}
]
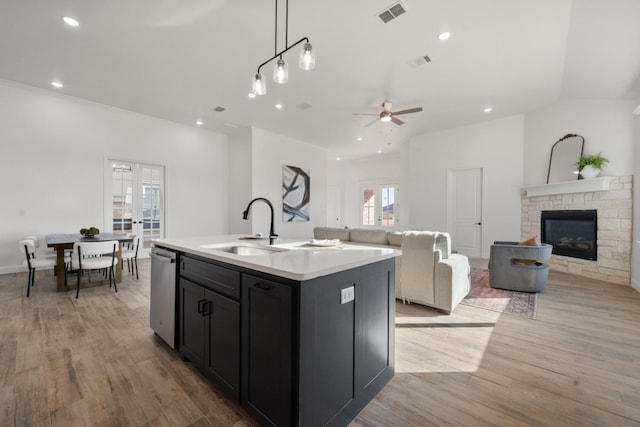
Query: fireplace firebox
[{"x": 572, "y": 233}]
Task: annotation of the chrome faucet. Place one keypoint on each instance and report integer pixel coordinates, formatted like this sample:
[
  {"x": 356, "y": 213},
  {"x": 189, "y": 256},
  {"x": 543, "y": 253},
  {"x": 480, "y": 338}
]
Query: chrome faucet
[{"x": 245, "y": 215}]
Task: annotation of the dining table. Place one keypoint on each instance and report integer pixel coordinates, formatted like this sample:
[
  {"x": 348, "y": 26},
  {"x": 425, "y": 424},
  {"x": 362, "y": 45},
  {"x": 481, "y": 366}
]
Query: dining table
[{"x": 61, "y": 242}]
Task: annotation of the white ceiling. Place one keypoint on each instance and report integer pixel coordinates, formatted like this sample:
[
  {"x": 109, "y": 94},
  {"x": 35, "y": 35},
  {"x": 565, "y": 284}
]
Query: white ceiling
[{"x": 178, "y": 59}]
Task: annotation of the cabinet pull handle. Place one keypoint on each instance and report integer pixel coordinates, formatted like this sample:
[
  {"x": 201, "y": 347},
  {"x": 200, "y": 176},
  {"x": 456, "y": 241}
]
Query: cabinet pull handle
[
  {"x": 200, "y": 306},
  {"x": 207, "y": 308},
  {"x": 263, "y": 286}
]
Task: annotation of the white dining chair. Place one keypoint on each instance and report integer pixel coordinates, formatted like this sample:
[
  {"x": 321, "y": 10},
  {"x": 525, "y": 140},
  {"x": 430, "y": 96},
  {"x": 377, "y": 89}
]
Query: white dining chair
[
  {"x": 95, "y": 256},
  {"x": 131, "y": 255},
  {"x": 40, "y": 254},
  {"x": 33, "y": 263}
]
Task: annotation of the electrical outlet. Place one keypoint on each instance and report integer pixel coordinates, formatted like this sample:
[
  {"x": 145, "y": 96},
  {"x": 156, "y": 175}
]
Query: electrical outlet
[{"x": 347, "y": 295}]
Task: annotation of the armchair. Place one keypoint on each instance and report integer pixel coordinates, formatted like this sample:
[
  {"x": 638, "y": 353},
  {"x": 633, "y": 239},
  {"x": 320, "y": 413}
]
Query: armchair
[{"x": 519, "y": 268}]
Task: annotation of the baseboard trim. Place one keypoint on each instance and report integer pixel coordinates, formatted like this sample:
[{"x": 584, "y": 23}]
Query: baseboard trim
[
  {"x": 12, "y": 269},
  {"x": 9, "y": 269}
]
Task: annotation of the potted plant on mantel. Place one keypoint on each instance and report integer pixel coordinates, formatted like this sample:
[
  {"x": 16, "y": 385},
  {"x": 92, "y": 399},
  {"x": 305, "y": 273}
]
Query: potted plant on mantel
[{"x": 591, "y": 166}]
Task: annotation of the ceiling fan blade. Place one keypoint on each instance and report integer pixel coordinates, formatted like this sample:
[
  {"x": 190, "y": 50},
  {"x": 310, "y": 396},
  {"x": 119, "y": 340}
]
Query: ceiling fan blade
[
  {"x": 365, "y": 114},
  {"x": 410, "y": 110},
  {"x": 397, "y": 121},
  {"x": 370, "y": 123}
]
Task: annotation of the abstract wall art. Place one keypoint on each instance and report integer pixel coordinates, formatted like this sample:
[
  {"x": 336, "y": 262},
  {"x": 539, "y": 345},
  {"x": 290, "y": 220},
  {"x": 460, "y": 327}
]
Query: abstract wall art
[{"x": 296, "y": 199}]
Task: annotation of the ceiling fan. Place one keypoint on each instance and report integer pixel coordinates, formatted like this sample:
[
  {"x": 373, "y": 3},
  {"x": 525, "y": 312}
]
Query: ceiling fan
[{"x": 387, "y": 115}]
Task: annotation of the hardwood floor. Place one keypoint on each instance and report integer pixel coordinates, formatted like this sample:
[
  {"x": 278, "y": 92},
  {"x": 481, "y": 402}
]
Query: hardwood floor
[{"x": 95, "y": 361}]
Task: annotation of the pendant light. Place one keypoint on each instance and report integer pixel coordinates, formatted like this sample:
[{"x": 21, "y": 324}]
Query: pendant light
[
  {"x": 259, "y": 86},
  {"x": 280, "y": 71},
  {"x": 306, "y": 61}
]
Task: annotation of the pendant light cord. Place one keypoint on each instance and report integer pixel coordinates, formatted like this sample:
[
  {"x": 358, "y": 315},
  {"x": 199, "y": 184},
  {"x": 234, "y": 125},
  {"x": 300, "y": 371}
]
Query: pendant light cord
[{"x": 275, "y": 45}]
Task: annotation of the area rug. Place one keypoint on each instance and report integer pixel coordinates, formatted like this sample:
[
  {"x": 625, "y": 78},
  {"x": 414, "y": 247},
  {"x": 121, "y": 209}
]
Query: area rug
[{"x": 503, "y": 301}]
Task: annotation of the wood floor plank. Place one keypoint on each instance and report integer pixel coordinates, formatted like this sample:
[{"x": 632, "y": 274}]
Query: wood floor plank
[{"x": 95, "y": 361}]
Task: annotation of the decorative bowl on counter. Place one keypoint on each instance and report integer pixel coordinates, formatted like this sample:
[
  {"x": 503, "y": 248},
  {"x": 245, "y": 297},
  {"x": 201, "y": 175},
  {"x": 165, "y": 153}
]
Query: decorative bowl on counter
[{"x": 89, "y": 232}]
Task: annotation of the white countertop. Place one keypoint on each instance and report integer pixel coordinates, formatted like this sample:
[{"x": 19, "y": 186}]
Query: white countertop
[{"x": 295, "y": 260}]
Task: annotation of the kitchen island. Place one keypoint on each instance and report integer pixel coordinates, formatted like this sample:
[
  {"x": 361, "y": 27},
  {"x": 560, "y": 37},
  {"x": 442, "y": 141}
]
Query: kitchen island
[{"x": 300, "y": 335}]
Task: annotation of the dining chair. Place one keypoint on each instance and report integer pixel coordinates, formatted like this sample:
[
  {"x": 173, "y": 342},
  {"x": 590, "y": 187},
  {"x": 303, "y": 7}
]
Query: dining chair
[
  {"x": 95, "y": 256},
  {"x": 33, "y": 263},
  {"x": 39, "y": 254},
  {"x": 131, "y": 255}
]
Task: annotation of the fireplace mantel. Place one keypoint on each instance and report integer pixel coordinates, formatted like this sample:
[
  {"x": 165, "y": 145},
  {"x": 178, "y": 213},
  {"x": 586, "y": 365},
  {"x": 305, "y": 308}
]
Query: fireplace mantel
[{"x": 568, "y": 187}]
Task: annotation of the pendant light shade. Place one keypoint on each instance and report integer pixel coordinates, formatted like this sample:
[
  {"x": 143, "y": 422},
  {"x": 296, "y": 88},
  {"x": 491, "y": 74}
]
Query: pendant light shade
[
  {"x": 280, "y": 71},
  {"x": 307, "y": 60},
  {"x": 259, "y": 85}
]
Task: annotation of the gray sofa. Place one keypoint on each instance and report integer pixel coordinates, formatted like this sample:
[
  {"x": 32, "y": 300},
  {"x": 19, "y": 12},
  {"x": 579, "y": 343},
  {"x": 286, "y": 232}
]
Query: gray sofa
[{"x": 426, "y": 273}]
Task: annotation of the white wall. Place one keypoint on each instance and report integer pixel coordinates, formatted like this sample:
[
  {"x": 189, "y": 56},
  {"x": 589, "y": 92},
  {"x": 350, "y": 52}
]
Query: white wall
[
  {"x": 351, "y": 174},
  {"x": 51, "y": 167},
  {"x": 606, "y": 125},
  {"x": 240, "y": 179},
  {"x": 495, "y": 146},
  {"x": 270, "y": 152}
]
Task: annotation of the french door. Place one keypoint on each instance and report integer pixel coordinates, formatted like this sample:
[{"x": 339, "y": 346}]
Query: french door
[
  {"x": 134, "y": 200},
  {"x": 379, "y": 204}
]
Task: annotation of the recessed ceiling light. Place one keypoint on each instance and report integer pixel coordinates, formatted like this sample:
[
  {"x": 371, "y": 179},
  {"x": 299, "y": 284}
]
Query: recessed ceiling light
[
  {"x": 488, "y": 109},
  {"x": 199, "y": 122},
  {"x": 56, "y": 84},
  {"x": 70, "y": 21},
  {"x": 359, "y": 138},
  {"x": 379, "y": 151},
  {"x": 251, "y": 95},
  {"x": 279, "y": 106},
  {"x": 444, "y": 36},
  {"x": 337, "y": 158}
]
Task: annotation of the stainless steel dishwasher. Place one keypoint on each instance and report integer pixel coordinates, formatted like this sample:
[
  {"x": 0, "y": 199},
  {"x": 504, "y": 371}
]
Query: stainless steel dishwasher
[{"x": 163, "y": 294}]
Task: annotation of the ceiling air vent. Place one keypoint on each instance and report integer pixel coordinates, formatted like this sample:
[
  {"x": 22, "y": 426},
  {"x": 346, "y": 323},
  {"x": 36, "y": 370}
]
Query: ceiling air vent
[
  {"x": 391, "y": 13},
  {"x": 218, "y": 109},
  {"x": 421, "y": 60},
  {"x": 303, "y": 106}
]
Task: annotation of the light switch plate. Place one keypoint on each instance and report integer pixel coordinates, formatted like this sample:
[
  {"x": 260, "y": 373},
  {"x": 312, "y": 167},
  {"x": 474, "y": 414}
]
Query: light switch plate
[{"x": 347, "y": 294}]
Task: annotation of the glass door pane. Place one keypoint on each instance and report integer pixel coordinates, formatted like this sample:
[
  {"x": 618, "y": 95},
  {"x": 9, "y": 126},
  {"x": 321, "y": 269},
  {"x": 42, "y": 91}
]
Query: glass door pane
[
  {"x": 369, "y": 206},
  {"x": 388, "y": 206},
  {"x": 151, "y": 204},
  {"x": 122, "y": 198}
]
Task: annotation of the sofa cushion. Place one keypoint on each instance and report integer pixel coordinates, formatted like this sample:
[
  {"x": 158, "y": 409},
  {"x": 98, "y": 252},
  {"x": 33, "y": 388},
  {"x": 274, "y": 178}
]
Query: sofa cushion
[
  {"x": 534, "y": 241},
  {"x": 331, "y": 233},
  {"x": 395, "y": 238},
  {"x": 360, "y": 235}
]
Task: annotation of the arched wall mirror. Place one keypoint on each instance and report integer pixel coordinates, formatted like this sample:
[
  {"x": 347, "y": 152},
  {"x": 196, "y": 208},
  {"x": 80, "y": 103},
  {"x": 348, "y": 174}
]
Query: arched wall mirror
[{"x": 564, "y": 155}]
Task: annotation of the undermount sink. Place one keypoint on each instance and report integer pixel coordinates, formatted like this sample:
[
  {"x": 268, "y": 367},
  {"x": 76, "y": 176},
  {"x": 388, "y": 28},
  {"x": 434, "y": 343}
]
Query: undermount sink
[{"x": 246, "y": 250}]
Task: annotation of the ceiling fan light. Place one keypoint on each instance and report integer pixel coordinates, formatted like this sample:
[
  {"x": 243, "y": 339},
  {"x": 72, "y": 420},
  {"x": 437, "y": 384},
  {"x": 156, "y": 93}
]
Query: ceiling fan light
[
  {"x": 281, "y": 71},
  {"x": 259, "y": 85},
  {"x": 384, "y": 118},
  {"x": 307, "y": 60}
]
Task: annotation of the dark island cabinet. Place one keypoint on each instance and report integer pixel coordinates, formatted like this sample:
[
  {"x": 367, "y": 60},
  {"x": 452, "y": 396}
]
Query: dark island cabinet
[
  {"x": 314, "y": 353},
  {"x": 293, "y": 353},
  {"x": 267, "y": 358},
  {"x": 209, "y": 328}
]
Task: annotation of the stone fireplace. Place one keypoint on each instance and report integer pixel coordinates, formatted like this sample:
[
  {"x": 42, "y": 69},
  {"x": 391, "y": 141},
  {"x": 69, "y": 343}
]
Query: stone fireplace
[{"x": 611, "y": 201}]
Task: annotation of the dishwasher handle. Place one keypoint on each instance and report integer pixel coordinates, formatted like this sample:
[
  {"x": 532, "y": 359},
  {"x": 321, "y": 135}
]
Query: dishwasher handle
[{"x": 161, "y": 258}]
